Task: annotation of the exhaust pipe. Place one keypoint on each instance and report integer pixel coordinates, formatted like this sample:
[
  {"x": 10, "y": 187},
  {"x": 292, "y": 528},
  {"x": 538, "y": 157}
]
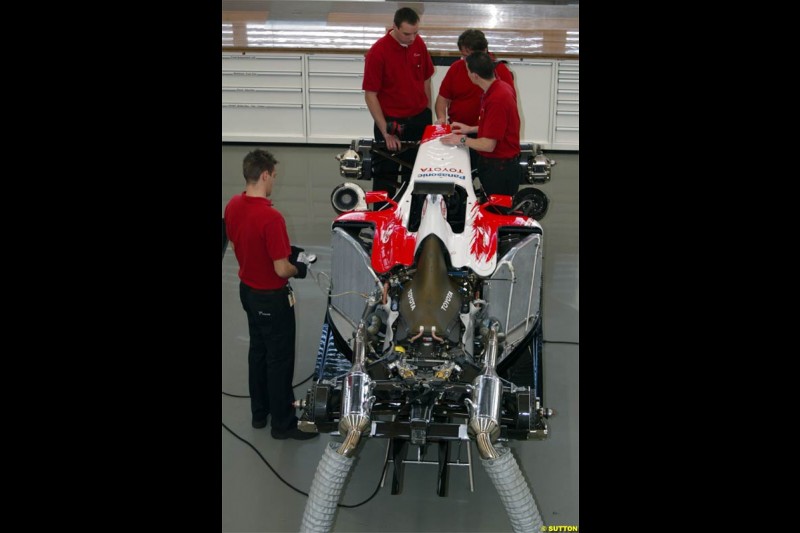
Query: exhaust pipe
[
  {"x": 356, "y": 399},
  {"x": 500, "y": 465},
  {"x": 333, "y": 468},
  {"x": 484, "y": 420}
]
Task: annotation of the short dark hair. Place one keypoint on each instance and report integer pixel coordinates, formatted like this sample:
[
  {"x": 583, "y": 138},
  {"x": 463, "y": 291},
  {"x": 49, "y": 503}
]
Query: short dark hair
[
  {"x": 473, "y": 40},
  {"x": 257, "y": 162},
  {"x": 481, "y": 64},
  {"x": 405, "y": 14}
]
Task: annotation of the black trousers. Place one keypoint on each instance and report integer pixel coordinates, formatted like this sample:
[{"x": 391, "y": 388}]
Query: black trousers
[
  {"x": 270, "y": 360},
  {"x": 388, "y": 175},
  {"x": 499, "y": 176}
]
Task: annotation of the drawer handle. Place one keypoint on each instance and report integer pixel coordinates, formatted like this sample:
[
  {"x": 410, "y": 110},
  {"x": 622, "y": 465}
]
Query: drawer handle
[
  {"x": 530, "y": 63},
  {"x": 335, "y": 106},
  {"x": 340, "y": 91},
  {"x": 569, "y": 91},
  {"x": 324, "y": 58},
  {"x": 261, "y": 90},
  {"x": 338, "y": 74},
  {"x": 565, "y": 128},
  {"x": 567, "y": 113},
  {"x": 261, "y": 73},
  {"x": 260, "y": 57},
  {"x": 287, "y": 106}
]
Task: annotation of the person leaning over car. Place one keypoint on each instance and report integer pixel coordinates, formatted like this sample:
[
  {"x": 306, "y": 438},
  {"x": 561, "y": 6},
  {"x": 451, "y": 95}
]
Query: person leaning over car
[{"x": 497, "y": 141}]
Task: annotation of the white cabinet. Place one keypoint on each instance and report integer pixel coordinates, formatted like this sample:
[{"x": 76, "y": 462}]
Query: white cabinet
[
  {"x": 262, "y": 98},
  {"x": 565, "y": 116},
  {"x": 317, "y": 98},
  {"x": 337, "y": 112},
  {"x": 534, "y": 84}
]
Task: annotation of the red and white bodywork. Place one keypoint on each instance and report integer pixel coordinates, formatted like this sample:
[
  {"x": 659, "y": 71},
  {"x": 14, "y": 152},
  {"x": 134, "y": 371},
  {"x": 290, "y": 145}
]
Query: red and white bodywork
[{"x": 438, "y": 165}]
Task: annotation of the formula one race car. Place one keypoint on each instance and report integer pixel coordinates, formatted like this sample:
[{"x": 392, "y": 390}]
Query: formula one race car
[{"x": 433, "y": 331}]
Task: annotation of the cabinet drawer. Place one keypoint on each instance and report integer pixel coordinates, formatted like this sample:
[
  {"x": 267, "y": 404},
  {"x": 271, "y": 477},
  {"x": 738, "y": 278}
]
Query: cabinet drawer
[
  {"x": 566, "y": 83},
  {"x": 262, "y": 121},
  {"x": 566, "y": 119},
  {"x": 336, "y": 97},
  {"x": 339, "y": 121},
  {"x": 325, "y": 80},
  {"x": 262, "y": 96},
  {"x": 262, "y": 63},
  {"x": 567, "y": 94},
  {"x": 335, "y": 64},
  {"x": 567, "y": 105},
  {"x": 261, "y": 79},
  {"x": 566, "y": 135}
]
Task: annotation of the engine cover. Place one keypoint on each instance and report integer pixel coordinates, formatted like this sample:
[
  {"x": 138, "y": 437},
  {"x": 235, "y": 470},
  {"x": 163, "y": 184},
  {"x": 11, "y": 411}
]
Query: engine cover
[{"x": 431, "y": 299}]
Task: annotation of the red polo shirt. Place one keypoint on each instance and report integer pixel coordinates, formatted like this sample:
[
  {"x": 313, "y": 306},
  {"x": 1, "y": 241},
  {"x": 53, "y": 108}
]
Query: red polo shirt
[
  {"x": 499, "y": 120},
  {"x": 465, "y": 96},
  {"x": 258, "y": 233},
  {"x": 398, "y": 73}
]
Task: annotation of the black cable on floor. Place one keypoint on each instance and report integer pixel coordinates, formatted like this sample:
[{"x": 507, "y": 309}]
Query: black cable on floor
[
  {"x": 309, "y": 377},
  {"x": 265, "y": 461},
  {"x": 386, "y": 462},
  {"x": 240, "y": 396}
]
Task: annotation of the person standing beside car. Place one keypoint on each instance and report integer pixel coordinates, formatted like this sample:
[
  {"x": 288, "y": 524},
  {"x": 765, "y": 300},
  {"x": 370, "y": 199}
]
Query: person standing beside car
[
  {"x": 266, "y": 262},
  {"x": 397, "y": 90}
]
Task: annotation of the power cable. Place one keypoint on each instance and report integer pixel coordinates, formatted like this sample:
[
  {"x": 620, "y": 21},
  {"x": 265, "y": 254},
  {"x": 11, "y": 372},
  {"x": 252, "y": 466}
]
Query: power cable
[{"x": 385, "y": 463}]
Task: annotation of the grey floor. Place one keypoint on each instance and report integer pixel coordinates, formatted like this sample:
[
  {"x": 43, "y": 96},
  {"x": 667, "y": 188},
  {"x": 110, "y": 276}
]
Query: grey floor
[{"x": 255, "y": 500}]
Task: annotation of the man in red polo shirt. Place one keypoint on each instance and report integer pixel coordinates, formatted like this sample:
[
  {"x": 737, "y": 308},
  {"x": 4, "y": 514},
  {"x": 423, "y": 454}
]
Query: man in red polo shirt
[
  {"x": 497, "y": 142},
  {"x": 397, "y": 89},
  {"x": 266, "y": 262},
  {"x": 459, "y": 99}
]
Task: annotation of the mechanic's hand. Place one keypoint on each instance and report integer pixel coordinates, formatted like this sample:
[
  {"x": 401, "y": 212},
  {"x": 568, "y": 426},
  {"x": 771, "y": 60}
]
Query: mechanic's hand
[
  {"x": 392, "y": 142},
  {"x": 295, "y": 252},
  {"x": 451, "y": 139},
  {"x": 302, "y": 270},
  {"x": 457, "y": 127},
  {"x": 441, "y": 121}
]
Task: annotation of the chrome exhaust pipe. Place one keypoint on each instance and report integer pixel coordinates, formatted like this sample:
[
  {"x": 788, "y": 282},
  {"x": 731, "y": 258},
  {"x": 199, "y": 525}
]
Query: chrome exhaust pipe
[
  {"x": 356, "y": 399},
  {"x": 484, "y": 420}
]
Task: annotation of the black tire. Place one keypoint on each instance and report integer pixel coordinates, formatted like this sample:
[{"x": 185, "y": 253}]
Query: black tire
[{"x": 534, "y": 202}]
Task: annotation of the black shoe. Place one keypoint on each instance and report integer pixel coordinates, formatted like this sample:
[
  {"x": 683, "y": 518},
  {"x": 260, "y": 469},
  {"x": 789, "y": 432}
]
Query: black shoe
[
  {"x": 258, "y": 424},
  {"x": 293, "y": 433}
]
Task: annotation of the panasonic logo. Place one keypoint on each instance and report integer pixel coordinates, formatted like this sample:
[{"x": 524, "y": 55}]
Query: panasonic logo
[
  {"x": 447, "y": 299},
  {"x": 411, "y": 301}
]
